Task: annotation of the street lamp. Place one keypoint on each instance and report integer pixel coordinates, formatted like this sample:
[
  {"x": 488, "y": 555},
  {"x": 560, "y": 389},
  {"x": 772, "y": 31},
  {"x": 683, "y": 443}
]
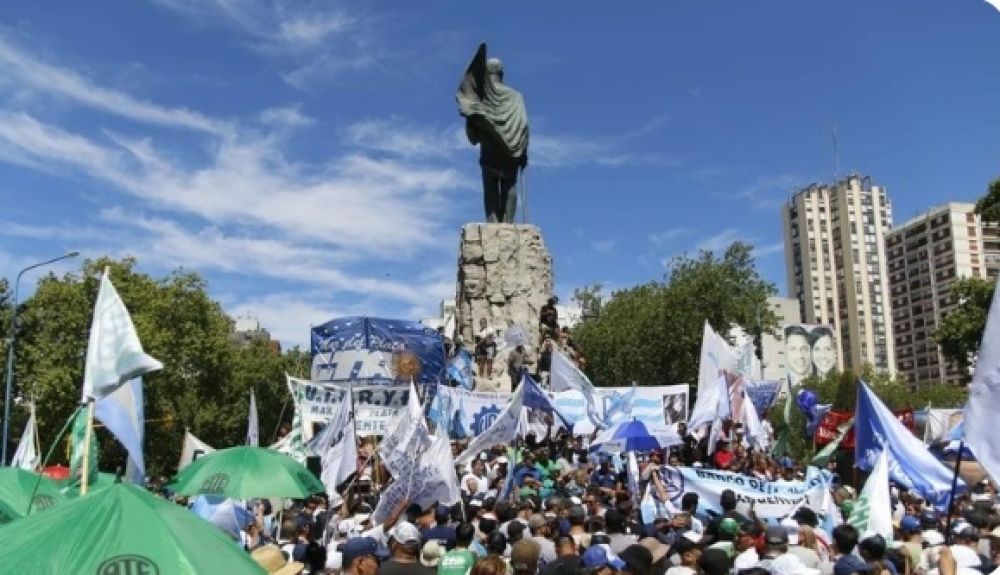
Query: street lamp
[{"x": 10, "y": 348}]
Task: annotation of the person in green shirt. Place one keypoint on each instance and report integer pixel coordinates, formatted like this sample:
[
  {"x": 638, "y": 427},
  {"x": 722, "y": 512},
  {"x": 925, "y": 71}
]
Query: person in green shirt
[
  {"x": 546, "y": 467},
  {"x": 459, "y": 561}
]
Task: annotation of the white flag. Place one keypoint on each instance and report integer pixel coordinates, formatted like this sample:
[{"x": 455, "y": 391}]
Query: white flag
[
  {"x": 872, "y": 513},
  {"x": 193, "y": 449},
  {"x": 565, "y": 376},
  {"x": 123, "y": 414},
  {"x": 26, "y": 456},
  {"x": 983, "y": 404},
  {"x": 712, "y": 403},
  {"x": 503, "y": 430},
  {"x": 114, "y": 354},
  {"x": 717, "y": 356},
  {"x": 427, "y": 477},
  {"x": 253, "y": 430},
  {"x": 337, "y": 446},
  {"x": 408, "y": 435}
]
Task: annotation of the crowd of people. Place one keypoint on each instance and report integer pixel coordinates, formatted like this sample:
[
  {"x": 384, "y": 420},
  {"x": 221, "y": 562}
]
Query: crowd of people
[{"x": 551, "y": 507}]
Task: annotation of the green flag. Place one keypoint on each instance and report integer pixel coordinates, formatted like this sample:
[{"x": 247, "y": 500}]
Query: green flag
[
  {"x": 78, "y": 435},
  {"x": 827, "y": 452}
]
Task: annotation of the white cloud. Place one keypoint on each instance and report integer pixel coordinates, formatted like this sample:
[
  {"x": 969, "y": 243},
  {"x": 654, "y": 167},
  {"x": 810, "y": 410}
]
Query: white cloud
[
  {"x": 767, "y": 192},
  {"x": 604, "y": 246},
  {"x": 286, "y": 116},
  {"x": 769, "y": 249},
  {"x": 720, "y": 241},
  {"x": 664, "y": 237},
  {"x": 31, "y": 72},
  {"x": 402, "y": 138}
]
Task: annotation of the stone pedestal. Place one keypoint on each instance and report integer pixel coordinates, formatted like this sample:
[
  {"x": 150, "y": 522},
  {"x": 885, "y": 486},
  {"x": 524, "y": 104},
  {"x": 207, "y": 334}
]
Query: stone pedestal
[{"x": 504, "y": 279}]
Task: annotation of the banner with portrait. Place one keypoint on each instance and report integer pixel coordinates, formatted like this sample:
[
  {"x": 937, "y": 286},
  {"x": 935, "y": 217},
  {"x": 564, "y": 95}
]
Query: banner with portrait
[
  {"x": 809, "y": 350},
  {"x": 655, "y": 405}
]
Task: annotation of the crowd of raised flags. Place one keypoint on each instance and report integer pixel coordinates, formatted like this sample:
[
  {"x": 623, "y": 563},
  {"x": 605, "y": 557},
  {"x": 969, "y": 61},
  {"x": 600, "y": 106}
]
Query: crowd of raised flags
[{"x": 623, "y": 483}]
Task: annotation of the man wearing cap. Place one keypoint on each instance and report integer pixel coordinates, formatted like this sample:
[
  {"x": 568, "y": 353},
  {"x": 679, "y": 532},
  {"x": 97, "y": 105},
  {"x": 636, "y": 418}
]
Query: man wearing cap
[
  {"x": 809, "y": 557},
  {"x": 540, "y": 534},
  {"x": 404, "y": 544},
  {"x": 845, "y": 539},
  {"x": 567, "y": 557},
  {"x": 728, "y": 530},
  {"x": 441, "y": 532},
  {"x": 273, "y": 561},
  {"x": 746, "y": 547},
  {"x": 599, "y": 560},
  {"x": 614, "y": 522},
  {"x": 688, "y": 549},
  {"x": 359, "y": 556},
  {"x": 776, "y": 540},
  {"x": 524, "y": 557},
  {"x": 459, "y": 560},
  {"x": 909, "y": 534}
]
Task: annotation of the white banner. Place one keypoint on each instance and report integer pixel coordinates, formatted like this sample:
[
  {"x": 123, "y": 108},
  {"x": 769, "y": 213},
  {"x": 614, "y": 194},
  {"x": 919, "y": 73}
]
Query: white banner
[
  {"x": 466, "y": 413},
  {"x": 374, "y": 405},
  {"x": 770, "y": 499}
]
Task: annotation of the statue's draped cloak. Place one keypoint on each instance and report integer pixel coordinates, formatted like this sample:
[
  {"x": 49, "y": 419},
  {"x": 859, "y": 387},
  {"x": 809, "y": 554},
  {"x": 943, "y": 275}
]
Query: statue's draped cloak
[{"x": 493, "y": 107}]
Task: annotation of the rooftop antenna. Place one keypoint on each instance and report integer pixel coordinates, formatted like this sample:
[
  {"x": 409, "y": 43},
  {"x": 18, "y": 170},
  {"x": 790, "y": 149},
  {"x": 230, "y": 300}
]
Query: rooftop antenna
[{"x": 836, "y": 154}]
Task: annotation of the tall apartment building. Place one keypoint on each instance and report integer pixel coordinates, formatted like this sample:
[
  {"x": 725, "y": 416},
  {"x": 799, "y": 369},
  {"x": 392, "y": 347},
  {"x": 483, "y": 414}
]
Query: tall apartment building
[
  {"x": 925, "y": 255},
  {"x": 835, "y": 259}
]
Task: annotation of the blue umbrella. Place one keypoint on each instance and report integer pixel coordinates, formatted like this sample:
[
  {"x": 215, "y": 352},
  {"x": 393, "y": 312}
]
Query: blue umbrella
[
  {"x": 226, "y": 514},
  {"x": 626, "y": 436}
]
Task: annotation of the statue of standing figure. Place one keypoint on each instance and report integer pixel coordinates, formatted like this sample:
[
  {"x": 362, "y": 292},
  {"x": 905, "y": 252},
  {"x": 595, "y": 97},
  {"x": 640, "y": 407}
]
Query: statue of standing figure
[{"x": 495, "y": 119}]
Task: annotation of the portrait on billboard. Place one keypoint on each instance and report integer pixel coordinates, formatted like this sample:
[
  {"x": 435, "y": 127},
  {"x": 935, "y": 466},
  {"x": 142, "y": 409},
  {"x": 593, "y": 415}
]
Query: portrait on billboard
[
  {"x": 675, "y": 407},
  {"x": 809, "y": 350}
]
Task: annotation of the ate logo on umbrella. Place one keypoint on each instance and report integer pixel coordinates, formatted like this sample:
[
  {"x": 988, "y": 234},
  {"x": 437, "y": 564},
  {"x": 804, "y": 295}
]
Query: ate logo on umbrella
[
  {"x": 43, "y": 501},
  {"x": 128, "y": 565},
  {"x": 215, "y": 484}
]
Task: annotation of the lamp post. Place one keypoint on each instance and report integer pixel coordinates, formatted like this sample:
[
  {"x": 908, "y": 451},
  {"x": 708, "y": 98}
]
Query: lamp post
[{"x": 10, "y": 348}]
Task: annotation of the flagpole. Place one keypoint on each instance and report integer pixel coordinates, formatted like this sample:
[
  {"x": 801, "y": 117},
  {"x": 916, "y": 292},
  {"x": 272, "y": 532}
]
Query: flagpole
[
  {"x": 38, "y": 480},
  {"x": 85, "y": 468},
  {"x": 954, "y": 485}
]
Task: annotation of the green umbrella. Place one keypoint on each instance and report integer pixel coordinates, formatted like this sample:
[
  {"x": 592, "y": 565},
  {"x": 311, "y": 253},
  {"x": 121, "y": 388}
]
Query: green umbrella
[
  {"x": 245, "y": 473},
  {"x": 17, "y": 486},
  {"x": 121, "y": 529},
  {"x": 71, "y": 487}
]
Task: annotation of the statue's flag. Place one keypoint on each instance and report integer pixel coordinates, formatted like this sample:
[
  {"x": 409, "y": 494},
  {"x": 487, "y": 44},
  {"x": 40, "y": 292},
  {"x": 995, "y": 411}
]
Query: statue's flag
[
  {"x": 983, "y": 404},
  {"x": 114, "y": 354}
]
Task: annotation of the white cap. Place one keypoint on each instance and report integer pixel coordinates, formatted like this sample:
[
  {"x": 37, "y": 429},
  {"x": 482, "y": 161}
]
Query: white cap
[
  {"x": 405, "y": 532},
  {"x": 792, "y": 529}
]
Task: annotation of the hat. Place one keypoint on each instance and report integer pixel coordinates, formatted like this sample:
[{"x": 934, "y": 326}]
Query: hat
[
  {"x": 715, "y": 562},
  {"x": 791, "y": 531},
  {"x": 524, "y": 555},
  {"x": 598, "y": 556},
  {"x": 932, "y": 538},
  {"x": 909, "y": 524},
  {"x": 637, "y": 558},
  {"x": 850, "y": 563},
  {"x": 431, "y": 554},
  {"x": 729, "y": 526},
  {"x": 536, "y": 521},
  {"x": 657, "y": 549},
  {"x": 928, "y": 519},
  {"x": 405, "y": 532},
  {"x": 689, "y": 541},
  {"x": 274, "y": 562},
  {"x": 968, "y": 533},
  {"x": 847, "y": 507},
  {"x": 357, "y": 547},
  {"x": 776, "y": 535}
]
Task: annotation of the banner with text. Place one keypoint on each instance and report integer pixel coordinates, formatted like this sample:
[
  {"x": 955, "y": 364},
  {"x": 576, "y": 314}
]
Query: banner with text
[
  {"x": 656, "y": 405},
  {"x": 374, "y": 405},
  {"x": 770, "y": 499}
]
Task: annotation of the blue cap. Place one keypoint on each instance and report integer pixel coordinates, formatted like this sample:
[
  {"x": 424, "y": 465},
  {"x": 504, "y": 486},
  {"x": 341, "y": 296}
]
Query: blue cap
[
  {"x": 909, "y": 524},
  {"x": 849, "y": 564},
  {"x": 357, "y": 547},
  {"x": 597, "y": 556},
  {"x": 929, "y": 519}
]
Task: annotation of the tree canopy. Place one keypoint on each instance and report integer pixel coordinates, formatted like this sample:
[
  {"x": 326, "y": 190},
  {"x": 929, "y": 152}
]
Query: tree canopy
[
  {"x": 961, "y": 331},
  {"x": 651, "y": 334},
  {"x": 206, "y": 380},
  {"x": 988, "y": 206}
]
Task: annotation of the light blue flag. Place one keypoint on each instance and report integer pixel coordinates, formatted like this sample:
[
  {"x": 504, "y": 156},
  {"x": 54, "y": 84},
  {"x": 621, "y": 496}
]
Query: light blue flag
[
  {"x": 979, "y": 424},
  {"x": 460, "y": 369},
  {"x": 619, "y": 407},
  {"x": 910, "y": 463},
  {"x": 123, "y": 415}
]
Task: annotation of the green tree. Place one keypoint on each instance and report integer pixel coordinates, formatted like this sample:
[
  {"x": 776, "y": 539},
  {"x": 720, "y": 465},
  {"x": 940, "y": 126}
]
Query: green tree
[
  {"x": 651, "y": 334},
  {"x": 206, "y": 380},
  {"x": 988, "y": 206},
  {"x": 961, "y": 331}
]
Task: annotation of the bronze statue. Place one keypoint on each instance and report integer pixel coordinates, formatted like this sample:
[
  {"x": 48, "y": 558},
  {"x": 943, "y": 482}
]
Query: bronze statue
[{"x": 495, "y": 119}]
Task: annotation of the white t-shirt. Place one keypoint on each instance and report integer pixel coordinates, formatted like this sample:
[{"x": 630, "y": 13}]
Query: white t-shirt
[{"x": 482, "y": 485}]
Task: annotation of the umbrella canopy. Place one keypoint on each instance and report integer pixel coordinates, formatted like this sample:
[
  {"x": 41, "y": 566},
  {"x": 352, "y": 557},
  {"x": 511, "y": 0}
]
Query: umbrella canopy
[
  {"x": 245, "y": 473},
  {"x": 227, "y": 514},
  {"x": 121, "y": 529},
  {"x": 71, "y": 487},
  {"x": 17, "y": 486},
  {"x": 626, "y": 436}
]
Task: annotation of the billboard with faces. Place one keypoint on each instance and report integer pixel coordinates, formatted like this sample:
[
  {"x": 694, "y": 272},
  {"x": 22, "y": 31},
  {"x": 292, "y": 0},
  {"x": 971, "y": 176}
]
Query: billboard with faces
[{"x": 809, "y": 350}]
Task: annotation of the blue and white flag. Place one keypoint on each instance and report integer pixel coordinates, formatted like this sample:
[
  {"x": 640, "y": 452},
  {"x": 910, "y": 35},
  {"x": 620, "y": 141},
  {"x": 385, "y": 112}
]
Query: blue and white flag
[
  {"x": 339, "y": 450},
  {"x": 408, "y": 436},
  {"x": 981, "y": 410},
  {"x": 503, "y": 430},
  {"x": 534, "y": 398},
  {"x": 114, "y": 354},
  {"x": 565, "y": 376},
  {"x": 619, "y": 407},
  {"x": 910, "y": 463},
  {"x": 460, "y": 369},
  {"x": 123, "y": 415}
]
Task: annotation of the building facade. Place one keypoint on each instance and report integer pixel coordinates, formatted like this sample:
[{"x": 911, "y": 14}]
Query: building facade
[
  {"x": 835, "y": 260},
  {"x": 926, "y": 255}
]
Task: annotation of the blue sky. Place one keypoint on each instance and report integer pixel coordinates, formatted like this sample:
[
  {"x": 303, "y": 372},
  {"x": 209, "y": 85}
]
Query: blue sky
[{"x": 307, "y": 157}]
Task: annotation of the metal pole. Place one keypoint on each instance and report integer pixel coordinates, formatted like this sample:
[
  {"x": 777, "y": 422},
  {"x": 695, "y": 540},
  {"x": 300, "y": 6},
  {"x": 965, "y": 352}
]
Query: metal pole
[
  {"x": 10, "y": 349},
  {"x": 951, "y": 496}
]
